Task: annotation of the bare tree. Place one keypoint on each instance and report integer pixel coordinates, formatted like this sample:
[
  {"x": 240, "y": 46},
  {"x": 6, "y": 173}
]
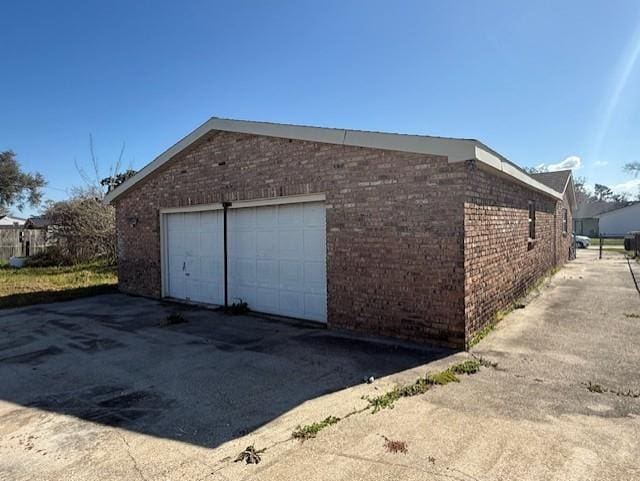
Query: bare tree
[
  {"x": 83, "y": 227},
  {"x": 94, "y": 181},
  {"x": 632, "y": 167}
]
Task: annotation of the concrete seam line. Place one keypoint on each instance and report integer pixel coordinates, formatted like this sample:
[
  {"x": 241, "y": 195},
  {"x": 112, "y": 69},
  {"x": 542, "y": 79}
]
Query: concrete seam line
[{"x": 633, "y": 276}]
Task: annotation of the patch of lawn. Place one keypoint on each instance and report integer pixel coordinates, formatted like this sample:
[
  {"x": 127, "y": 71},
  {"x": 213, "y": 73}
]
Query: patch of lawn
[
  {"x": 35, "y": 285},
  {"x": 607, "y": 242}
]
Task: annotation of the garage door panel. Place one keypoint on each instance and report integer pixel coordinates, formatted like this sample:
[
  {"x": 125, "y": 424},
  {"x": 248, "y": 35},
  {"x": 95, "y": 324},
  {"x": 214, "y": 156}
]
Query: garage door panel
[
  {"x": 290, "y": 260},
  {"x": 292, "y": 303},
  {"x": 314, "y": 215},
  {"x": 314, "y": 275},
  {"x": 178, "y": 286},
  {"x": 290, "y": 215},
  {"x": 206, "y": 292},
  {"x": 175, "y": 238},
  {"x": 243, "y": 219},
  {"x": 192, "y": 222},
  {"x": 175, "y": 222},
  {"x": 192, "y": 267},
  {"x": 315, "y": 306},
  {"x": 191, "y": 243},
  {"x": 314, "y": 244},
  {"x": 267, "y": 216},
  {"x": 244, "y": 243},
  {"x": 194, "y": 256},
  {"x": 290, "y": 244},
  {"x": 209, "y": 244},
  {"x": 267, "y": 272},
  {"x": 243, "y": 271},
  {"x": 277, "y": 259},
  {"x": 176, "y": 265},
  {"x": 267, "y": 243},
  {"x": 211, "y": 221},
  {"x": 211, "y": 268},
  {"x": 291, "y": 275},
  {"x": 266, "y": 299},
  {"x": 244, "y": 292}
]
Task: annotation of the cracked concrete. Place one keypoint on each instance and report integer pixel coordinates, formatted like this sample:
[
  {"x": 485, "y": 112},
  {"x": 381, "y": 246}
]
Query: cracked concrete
[{"x": 531, "y": 418}]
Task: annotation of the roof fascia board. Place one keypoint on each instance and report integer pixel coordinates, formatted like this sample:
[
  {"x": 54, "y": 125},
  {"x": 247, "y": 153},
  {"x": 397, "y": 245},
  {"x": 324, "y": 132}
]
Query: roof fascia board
[
  {"x": 159, "y": 161},
  {"x": 456, "y": 150},
  {"x": 573, "y": 203},
  {"x": 493, "y": 163}
]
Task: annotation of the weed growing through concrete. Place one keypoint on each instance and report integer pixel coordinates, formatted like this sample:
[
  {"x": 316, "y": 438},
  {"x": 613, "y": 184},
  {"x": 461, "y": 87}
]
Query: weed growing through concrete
[
  {"x": 516, "y": 304},
  {"x": 470, "y": 366},
  {"x": 632, "y": 315},
  {"x": 599, "y": 389},
  {"x": 174, "y": 318},
  {"x": 442, "y": 378},
  {"x": 237, "y": 308},
  {"x": 485, "y": 362},
  {"x": 250, "y": 455},
  {"x": 484, "y": 332},
  {"x": 395, "y": 446},
  {"x": 422, "y": 385},
  {"x": 388, "y": 399},
  {"x": 309, "y": 431},
  {"x": 595, "y": 388}
]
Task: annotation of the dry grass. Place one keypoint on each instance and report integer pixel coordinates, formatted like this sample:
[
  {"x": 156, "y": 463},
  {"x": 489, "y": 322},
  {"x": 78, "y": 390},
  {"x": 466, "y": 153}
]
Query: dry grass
[
  {"x": 395, "y": 446},
  {"x": 34, "y": 285}
]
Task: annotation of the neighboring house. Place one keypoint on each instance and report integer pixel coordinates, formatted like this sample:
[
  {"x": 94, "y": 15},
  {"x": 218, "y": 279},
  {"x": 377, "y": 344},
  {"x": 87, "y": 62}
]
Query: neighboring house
[
  {"x": 586, "y": 217},
  {"x": 415, "y": 237},
  {"x": 20, "y": 238},
  {"x": 8, "y": 221},
  {"x": 37, "y": 222},
  {"x": 620, "y": 221}
]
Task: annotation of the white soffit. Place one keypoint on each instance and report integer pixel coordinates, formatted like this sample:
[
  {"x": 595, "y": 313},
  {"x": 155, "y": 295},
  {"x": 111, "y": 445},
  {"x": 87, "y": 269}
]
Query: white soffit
[{"x": 456, "y": 150}]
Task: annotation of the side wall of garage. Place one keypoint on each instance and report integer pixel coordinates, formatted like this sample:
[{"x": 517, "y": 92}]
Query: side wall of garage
[
  {"x": 500, "y": 262},
  {"x": 394, "y": 222}
]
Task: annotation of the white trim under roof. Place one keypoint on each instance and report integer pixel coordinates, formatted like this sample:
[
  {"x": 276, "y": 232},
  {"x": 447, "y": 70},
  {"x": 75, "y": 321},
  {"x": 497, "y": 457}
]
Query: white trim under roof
[{"x": 456, "y": 150}]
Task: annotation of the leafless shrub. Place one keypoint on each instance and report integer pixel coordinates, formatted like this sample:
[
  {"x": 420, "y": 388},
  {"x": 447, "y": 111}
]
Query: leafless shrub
[{"x": 82, "y": 229}]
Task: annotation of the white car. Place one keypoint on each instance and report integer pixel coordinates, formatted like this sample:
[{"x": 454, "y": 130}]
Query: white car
[{"x": 582, "y": 241}]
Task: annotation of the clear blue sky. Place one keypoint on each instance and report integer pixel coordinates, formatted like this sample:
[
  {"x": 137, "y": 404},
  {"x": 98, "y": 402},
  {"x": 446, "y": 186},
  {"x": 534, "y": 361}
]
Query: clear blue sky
[{"x": 537, "y": 81}]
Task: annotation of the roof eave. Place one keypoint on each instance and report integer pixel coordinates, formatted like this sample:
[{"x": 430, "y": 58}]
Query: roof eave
[{"x": 456, "y": 150}]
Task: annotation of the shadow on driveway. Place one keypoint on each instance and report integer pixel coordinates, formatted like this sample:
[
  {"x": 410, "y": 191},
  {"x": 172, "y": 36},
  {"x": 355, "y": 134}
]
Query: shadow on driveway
[{"x": 106, "y": 359}]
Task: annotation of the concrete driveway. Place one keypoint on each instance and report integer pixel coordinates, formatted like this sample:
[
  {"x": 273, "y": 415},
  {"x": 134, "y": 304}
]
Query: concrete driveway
[{"x": 96, "y": 389}]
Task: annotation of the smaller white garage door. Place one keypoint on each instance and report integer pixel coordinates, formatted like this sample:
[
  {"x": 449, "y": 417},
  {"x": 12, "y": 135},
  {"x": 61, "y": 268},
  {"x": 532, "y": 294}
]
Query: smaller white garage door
[
  {"x": 195, "y": 256},
  {"x": 277, "y": 259}
]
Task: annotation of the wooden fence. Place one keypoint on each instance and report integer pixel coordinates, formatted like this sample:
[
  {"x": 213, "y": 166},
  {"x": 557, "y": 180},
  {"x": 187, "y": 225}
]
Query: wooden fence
[{"x": 21, "y": 242}]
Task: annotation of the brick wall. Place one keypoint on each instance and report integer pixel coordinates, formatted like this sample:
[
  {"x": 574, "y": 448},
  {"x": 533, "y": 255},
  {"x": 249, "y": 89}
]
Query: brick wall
[
  {"x": 395, "y": 261},
  {"x": 499, "y": 262}
]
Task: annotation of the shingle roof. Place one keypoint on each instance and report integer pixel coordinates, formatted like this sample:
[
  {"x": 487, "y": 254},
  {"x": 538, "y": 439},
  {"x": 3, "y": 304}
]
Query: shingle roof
[
  {"x": 594, "y": 209},
  {"x": 556, "y": 180},
  {"x": 38, "y": 222}
]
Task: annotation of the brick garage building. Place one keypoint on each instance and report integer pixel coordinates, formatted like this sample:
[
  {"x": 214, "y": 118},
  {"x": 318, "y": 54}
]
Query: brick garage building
[{"x": 415, "y": 237}]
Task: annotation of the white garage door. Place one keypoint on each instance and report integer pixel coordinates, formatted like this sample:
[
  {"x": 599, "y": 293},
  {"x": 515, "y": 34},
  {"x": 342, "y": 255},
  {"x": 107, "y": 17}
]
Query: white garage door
[
  {"x": 195, "y": 256},
  {"x": 277, "y": 260}
]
